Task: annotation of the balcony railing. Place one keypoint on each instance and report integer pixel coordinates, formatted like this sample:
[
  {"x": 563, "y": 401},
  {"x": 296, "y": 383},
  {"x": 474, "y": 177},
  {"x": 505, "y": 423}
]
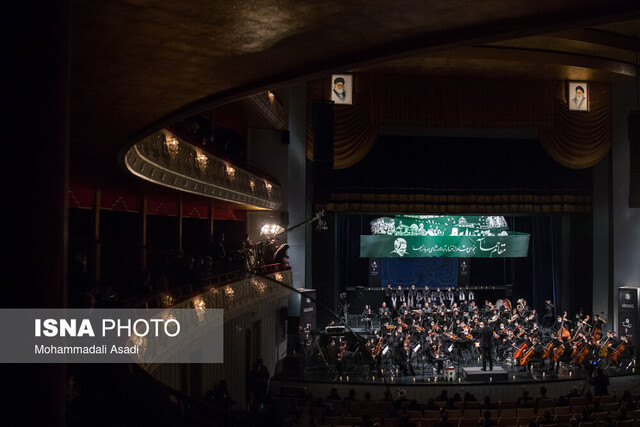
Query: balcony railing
[{"x": 166, "y": 159}]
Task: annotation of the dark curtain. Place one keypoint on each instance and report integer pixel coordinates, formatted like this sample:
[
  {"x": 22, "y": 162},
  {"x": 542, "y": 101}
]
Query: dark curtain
[{"x": 538, "y": 277}]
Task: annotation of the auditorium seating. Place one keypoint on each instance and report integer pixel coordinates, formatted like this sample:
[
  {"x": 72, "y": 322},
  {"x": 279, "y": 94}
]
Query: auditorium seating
[{"x": 469, "y": 415}]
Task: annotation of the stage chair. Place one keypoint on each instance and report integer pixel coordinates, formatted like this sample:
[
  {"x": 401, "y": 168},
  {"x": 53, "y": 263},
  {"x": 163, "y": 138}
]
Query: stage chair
[
  {"x": 431, "y": 414},
  {"x": 507, "y": 404},
  {"x": 458, "y": 405},
  {"x": 626, "y": 423},
  {"x": 562, "y": 419},
  {"x": 509, "y": 413},
  {"x": 586, "y": 424},
  {"x": 525, "y": 412},
  {"x": 356, "y": 412},
  {"x": 607, "y": 399},
  {"x": 454, "y": 413},
  {"x": 524, "y": 421},
  {"x": 441, "y": 404},
  {"x": 390, "y": 422},
  {"x": 316, "y": 411},
  {"x": 544, "y": 404},
  {"x": 350, "y": 404},
  {"x": 332, "y": 420},
  {"x": 337, "y": 404},
  {"x": 378, "y": 413},
  {"x": 415, "y": 421},
  {"x": 369, "y": 405},
  {"x": 599, "y": 416},
  {"x": 507, "y": 421},
  {"x": 471, "y": 413},
  {"x": 376, "y": 420},
  {"x": 577, "y": 409},
  {"x": 414, "y": 414},
  {"x": 634, "y": 414},
  {"x": 577, "y": 401},
  {"x": 610, "y": 407},
  {"x": 351, "y": 420},
  {"x": 428, "y": 422},
  {"x": 562, "y": 410},
  {"x": 472, "y": 404},
  {"x": 493, "y": 412},
  {"x": 468, "y": 422},
  {"x": 548, "y": 425},
  {"x": 383, "y": 404}
]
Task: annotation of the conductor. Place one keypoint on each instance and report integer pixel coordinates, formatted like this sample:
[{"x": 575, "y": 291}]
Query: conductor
[{"x": 486, "y": 344}]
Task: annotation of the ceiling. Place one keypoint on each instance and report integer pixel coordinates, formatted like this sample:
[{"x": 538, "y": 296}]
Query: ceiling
[{"x": 138, "y": 65}]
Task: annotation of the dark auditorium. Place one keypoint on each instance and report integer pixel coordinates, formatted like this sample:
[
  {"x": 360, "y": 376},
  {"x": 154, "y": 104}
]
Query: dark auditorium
[{"x": 322, "y": 214}]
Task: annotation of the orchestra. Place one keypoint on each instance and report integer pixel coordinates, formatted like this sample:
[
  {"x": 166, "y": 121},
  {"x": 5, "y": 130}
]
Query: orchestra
[{"x": 427, "y": 328}]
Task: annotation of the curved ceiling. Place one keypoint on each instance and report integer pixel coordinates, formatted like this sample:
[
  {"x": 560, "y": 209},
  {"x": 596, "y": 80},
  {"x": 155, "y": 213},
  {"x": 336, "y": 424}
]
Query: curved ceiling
[{"x": 141, "y": 64}]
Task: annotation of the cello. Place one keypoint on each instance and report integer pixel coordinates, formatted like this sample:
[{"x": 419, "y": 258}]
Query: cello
[
  {"x": 615, "y": 353},
  {"x": 527, "y": 357},
  {"x": 548, "y": 350}
]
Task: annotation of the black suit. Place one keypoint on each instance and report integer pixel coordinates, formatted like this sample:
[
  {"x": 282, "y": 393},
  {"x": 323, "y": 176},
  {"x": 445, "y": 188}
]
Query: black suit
[{"x": 486, "y": 344}]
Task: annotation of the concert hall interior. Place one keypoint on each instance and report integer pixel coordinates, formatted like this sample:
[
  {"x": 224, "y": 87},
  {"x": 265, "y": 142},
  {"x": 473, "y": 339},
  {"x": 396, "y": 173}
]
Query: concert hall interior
[{"x": 409, "y": 213}]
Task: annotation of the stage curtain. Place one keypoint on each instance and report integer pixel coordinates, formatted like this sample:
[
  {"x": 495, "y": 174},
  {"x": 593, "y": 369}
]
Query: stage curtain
[
  {"x": 353, "y": 133},
  {"x": 574, "y": 139},
  {"x": 446, "y": 102},
  {"x": 579, "y": 139}
]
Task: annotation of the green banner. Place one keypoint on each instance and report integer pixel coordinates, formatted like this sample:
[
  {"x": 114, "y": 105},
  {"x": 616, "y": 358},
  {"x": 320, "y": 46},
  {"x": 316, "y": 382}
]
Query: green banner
[
  {"x": 508, "y": 245},
  {"x": 439, "y": 225}
]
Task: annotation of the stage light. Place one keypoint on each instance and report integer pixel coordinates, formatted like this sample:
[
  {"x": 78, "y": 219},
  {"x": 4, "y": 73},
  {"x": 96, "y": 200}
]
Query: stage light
[
  {"x": 231, "y": 172},
  {"x": 271, "y": 230},
  {"x": 173, "y": 145}
]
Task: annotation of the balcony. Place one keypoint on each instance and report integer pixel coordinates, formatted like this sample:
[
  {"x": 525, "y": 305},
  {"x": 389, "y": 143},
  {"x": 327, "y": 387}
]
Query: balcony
[{"x": 168, "y": 160}]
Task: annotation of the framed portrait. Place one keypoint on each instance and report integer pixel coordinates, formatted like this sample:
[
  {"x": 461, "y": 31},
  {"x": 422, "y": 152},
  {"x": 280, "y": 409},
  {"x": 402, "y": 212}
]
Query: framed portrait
[
  {"x": 342, "y": 88},
  {"x": 578, "y": 98}
]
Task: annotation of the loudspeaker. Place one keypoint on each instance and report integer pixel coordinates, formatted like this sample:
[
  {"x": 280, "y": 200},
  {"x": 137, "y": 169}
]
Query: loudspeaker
[
  {"x": 292, "y": 365},
  {"x": 634, "y": 159},
  {"x": 508, "y": 290},
  {"x": 284, "y": 219},
  {"x": 285, "y": 137}
]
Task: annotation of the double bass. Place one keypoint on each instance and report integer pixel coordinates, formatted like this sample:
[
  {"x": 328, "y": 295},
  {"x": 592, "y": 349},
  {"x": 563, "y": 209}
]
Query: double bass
[{"x": 563, "y": 332}]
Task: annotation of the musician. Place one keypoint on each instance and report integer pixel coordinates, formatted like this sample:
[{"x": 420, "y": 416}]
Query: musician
[
  {"x": 419, "y": 299},
  {"x": 486, "y": 344},
  {"x": 532, "y": 318},
  {"x": 411, "y": 296},
  {"x": 400, "y": 296},
  {"x": 388, "y": 292},
  {"x": 385, "y": 318},
  {"x": 394, "y": 300},
  {"x": 461, "y": 295},
  {"x": 549, "y": 314},
  {"x": 367, "y": 314},
  {"x": 437, "y": 296},
  {"x": 382, "y": 309},
  {"x": 627, "y": 354},
  {"x": 427, "y": 293},
  {"x": 470, "y": 295},
  {"x": 450, "y": 297}
]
